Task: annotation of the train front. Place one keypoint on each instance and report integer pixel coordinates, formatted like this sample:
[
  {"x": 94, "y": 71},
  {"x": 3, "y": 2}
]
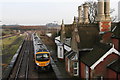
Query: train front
[{"x": 42, "y": 60}]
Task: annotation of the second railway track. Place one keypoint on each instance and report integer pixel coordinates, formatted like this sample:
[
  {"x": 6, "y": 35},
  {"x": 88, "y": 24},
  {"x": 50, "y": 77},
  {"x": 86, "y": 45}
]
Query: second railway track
[
  {"x": 24, "y": 66},
  {"x": 21, "y": 68}
]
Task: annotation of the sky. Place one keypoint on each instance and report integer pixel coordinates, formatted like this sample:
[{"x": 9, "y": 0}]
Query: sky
[{"x": 41, "y": 12}]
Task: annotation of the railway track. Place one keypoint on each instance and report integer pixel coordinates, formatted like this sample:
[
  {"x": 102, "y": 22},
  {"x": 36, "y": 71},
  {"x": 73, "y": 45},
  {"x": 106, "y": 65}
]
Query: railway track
[
  {"x": 24, "y": 66},
  {"x": 21, "y": 68}
]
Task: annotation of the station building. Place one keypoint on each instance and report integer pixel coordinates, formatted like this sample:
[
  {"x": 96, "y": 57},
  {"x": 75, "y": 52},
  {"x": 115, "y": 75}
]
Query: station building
[{"x": 91, "y": 50}]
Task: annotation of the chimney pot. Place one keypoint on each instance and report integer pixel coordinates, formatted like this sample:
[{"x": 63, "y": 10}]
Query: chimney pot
[{"x": 86, "y": 7}]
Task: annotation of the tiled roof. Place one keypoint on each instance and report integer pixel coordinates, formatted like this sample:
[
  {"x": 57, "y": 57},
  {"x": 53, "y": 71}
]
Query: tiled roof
[
  {"x": 91, "y": 57},
  {"x": 88, "y": 37},
  {"x": 68, "y": 41},
  {"x": 67, "y": 53},
  {"x": 89, "y": 34},
  {"x": 115, "y": 66},
  {"x": 71, "y": 55},
  {"x": 68, "y": 31}
]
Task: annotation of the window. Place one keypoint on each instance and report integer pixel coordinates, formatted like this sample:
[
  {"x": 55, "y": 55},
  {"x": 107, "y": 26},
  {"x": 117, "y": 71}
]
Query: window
[
  {"x": 42, "y": 57},
  {"x": 75, "y": 71},
  {"x": 60, "y": 52},
  {"x": 75, "y": 65}
]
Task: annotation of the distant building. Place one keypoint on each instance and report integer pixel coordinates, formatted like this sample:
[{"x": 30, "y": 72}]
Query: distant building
[
  {"x": 52, "y": 25},
  {"x": 119, "y": 11}
]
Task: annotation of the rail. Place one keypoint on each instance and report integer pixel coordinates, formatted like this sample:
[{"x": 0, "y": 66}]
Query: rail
[
  {"x": 25, "y": 53},
  {"x": 8, "y": 70}
]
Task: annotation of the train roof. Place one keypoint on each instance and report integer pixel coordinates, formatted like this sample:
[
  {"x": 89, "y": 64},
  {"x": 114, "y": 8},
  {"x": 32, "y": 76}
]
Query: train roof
[
  {"x": 42, "y": 50},
  {"x": 38, "y": 45}
]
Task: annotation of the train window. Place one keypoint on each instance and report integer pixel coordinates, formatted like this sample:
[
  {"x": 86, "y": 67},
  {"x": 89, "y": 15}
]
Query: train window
[
  {"x": 42, "y": 57},
  {"x": 45, "y": 55}
]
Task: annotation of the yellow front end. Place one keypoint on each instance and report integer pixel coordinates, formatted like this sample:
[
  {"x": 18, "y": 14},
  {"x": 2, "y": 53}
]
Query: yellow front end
[{"x": 43, "y": 63}]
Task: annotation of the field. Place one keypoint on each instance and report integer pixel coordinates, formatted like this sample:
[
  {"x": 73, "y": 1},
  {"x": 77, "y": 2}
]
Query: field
[{"x": 9, "y": 47}]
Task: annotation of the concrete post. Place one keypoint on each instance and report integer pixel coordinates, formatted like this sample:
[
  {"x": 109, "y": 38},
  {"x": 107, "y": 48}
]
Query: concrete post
[
  {"x": 107, "y": 10},
  {"x": 85, "y": 6},
  {"x": 79, "y": 14},
  {"x": 100, "y": 14}
]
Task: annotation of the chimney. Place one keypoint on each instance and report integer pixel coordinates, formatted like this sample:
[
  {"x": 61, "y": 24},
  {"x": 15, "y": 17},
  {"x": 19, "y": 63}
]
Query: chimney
[
  {"x": 75, "y": 37},
  {"x": 62, "y": 37},
  {"x": 85, "y": 6},
  {"x": 75, "y": 20},
  {"x": 100, "y": 12},
  {"x": 79, "y": 14},
  {"x": 107, "y": 10}
]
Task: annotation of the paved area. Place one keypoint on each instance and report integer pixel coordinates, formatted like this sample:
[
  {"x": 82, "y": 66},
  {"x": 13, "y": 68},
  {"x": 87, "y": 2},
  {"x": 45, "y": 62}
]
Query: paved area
[{"x": 59, "y": 64}]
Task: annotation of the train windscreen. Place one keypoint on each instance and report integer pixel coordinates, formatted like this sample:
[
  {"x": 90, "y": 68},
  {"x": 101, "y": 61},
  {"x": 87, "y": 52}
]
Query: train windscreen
[{"x": 42, "y": 57}]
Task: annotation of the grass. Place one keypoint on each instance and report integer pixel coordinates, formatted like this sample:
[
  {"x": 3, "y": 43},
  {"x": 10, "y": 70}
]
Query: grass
[
  {"x": 9, "y": 48},
  {"x": 7, "y": 31},
  {"x": 11, "y": 44}
]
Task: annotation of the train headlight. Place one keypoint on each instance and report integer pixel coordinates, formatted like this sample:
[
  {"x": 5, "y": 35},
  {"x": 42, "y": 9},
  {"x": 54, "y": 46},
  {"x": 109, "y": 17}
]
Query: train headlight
[
  {"x": 37, "y": 63},
  {"x": 47, "y": 63}
]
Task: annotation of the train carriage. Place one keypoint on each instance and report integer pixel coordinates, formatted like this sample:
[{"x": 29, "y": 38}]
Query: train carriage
[{"x": 41, "y": 54}]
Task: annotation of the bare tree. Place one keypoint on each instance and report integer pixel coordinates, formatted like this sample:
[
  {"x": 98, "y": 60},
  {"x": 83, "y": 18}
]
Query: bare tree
[
  {"x": 93, "y": 12},
  {"x": 113, "y": 18}
]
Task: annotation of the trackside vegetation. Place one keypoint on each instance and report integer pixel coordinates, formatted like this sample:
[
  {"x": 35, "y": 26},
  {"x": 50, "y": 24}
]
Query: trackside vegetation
[{"x": 9, "y": 48}]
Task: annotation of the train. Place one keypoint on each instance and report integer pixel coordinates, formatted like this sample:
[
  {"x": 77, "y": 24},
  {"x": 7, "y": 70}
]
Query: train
[{"x": 41, "y": 54}]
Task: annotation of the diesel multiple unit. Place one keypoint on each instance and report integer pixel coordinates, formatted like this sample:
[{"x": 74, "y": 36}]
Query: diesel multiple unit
[{"x": 41, "y": 54}]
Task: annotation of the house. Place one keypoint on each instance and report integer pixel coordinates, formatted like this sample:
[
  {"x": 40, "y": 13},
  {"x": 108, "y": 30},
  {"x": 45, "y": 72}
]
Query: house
[
  {"x": 63, "y": 41},
  {"x": 94, "y": 64},
  {"x": 114, "y": 69},
  {"x": 90, "y": 50},
  {"x": 71, "y": 61},
  {"x": 83, "y": 38}
]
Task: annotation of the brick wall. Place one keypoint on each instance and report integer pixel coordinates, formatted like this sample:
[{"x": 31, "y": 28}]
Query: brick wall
[
  {"x": 111, "y": 74},
  {"x": 101, "y": 69},
  {"x": 82, "y": 70},
  {"x": 116, "y": 43}
]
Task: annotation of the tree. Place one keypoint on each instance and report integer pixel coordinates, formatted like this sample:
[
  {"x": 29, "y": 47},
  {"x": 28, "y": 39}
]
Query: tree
[
  {"x": 114, "y": 18},
  {"x": 93, "y": 12}
]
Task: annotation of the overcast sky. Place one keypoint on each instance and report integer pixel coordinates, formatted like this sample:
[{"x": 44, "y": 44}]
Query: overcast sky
[{"x": 40, "y": 12}]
